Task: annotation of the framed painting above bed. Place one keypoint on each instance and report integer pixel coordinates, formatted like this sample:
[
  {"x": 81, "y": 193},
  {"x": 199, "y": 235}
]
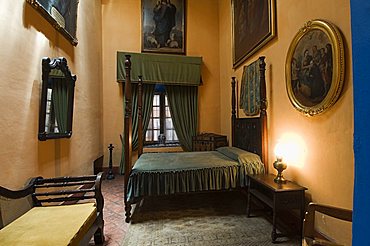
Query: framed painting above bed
[
  {"x": 62, "y": 14},
  {"x": 163, "y": 26},
  {"x": 253, "y": 25}
]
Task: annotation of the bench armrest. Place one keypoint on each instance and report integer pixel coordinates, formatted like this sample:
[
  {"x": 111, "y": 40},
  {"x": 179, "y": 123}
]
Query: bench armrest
[
  {"x": 17, "y": 194},
  {"x": 309, "y": 232}
]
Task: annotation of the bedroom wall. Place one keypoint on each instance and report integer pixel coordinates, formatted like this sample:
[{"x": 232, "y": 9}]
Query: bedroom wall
[
  {"x": 326, "y": 167},
  {"x": 26, "y": 37},
  {"x": 121, "y": 32}
]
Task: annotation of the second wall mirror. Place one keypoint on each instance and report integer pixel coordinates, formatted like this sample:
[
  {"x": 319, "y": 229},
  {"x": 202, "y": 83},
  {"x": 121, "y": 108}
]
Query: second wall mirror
[{"x": 57, "y": 96}]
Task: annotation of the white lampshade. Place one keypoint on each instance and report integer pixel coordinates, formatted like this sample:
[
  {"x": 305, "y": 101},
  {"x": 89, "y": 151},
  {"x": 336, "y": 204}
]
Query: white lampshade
[{"x": 280, "y": 150}]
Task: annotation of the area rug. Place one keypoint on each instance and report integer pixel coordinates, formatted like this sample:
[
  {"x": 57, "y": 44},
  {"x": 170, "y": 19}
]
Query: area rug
[{"x": 213, "y": 219}]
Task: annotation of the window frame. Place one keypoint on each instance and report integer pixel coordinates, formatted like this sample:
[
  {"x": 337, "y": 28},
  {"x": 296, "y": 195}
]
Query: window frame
[{"x": 162, "y": 121}]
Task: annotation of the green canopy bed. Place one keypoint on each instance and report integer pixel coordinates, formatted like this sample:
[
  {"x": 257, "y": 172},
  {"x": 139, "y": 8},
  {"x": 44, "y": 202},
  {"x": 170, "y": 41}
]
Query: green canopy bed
[{"x": 157, "y": 174}]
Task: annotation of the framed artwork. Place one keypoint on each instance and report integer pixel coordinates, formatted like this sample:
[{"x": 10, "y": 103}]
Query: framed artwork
[
  {"x": 163, "y": 26},
  {"x": 314, "y": 67},
  {"x": 62, "y": 14},
  {"x": 253, "y": 25}
]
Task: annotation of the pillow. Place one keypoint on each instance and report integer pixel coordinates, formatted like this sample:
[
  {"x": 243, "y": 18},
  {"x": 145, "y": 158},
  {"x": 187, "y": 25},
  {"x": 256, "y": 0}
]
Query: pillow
[
  {"x": 253, "y": 161},
  {"x": 235, "y": 153}
]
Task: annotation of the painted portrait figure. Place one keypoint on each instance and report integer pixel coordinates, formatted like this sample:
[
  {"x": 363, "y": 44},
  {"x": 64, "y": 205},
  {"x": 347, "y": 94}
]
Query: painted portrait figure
[
  {"x": 163, "y": 26},
  {"x": 312, "y": 68}
]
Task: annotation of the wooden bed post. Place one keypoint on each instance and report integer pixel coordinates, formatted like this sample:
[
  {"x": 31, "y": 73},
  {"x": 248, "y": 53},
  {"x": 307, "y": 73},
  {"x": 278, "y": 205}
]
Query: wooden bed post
[
  {"x": 263, "y": 113},
  {"x": 128, "y": 132},
  {"x": 233, "y": 110},
  {"x": 140, "y": 116}
]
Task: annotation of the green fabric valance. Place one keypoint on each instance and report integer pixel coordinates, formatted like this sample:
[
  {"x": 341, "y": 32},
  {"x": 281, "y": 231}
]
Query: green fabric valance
[{"x": 163, "y": 69}]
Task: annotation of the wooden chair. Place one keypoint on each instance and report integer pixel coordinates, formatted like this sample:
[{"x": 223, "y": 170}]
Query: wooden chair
[{"x": 310, "y": 235}]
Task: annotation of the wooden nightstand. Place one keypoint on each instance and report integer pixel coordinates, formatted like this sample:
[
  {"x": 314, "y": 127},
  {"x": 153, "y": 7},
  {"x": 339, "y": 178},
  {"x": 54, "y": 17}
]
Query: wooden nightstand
[
  {"x": 286, "y": 196},
  {"x": 208, "y": 142}
]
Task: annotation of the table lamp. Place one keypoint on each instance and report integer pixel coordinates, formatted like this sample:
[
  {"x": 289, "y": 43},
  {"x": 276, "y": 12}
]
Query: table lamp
[{"x": 279, "y": 165}]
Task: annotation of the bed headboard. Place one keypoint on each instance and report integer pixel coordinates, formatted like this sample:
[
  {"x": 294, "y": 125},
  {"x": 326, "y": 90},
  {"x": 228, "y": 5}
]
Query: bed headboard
[{"x": 251, "y": 133}]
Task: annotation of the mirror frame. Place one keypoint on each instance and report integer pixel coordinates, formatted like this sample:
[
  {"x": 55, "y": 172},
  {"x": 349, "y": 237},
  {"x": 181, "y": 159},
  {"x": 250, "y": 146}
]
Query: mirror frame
[{"x": 47, "y": 65}]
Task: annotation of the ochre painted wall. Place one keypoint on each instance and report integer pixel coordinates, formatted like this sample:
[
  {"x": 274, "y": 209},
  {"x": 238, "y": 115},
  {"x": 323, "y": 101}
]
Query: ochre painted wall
[
  {"x": 107, "y": 26},
  {"x": 26, "y": 37},
  {"x": 121, "y": 32},
  {"x": 326, "y": 167}
]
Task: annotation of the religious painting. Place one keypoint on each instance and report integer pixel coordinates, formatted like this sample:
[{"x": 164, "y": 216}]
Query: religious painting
[
  {"x": 314, "y": 67},
  {"x": 163, "y": 26},
  {"x": 253, "y": 26},
  {"x": 62, "y": 14}
]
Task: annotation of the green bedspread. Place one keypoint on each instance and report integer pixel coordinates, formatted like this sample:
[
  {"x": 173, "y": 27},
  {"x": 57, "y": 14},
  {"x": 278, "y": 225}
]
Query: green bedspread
[
  {"x": 154, "y": 162},
  {"x": 170, "y": 173}
]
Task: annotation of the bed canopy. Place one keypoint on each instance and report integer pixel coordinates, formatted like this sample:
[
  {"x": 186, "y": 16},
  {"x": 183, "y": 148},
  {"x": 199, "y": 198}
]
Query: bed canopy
[
  {"x": 162, "y": 69},
  {"x": 181, "y": 76}
]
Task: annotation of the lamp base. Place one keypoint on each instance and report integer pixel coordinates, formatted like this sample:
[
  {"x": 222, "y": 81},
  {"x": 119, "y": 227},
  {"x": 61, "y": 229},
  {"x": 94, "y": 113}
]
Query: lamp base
[
  {"x": 279, "y": 179},
  {"x": 280, "y": 167}
]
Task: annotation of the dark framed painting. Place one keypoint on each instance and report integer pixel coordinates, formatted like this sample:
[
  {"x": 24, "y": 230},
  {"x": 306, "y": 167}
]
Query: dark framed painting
[
  {"x": 314, "y": 67},
  {"x": 163, "y": 26},
  {"x": 253, "y": 25},
  {"x": 62, "y": 14}
]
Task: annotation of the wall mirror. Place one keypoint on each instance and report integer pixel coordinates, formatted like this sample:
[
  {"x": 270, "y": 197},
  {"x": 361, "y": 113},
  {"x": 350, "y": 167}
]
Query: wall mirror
[{"x": 56, "y": 106}]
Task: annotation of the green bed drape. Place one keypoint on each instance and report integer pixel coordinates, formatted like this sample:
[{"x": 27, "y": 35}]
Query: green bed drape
[
  {"x": 183, "y": 102},
  {"x": 159, "y": 68},
  {"x": 147, "y": 106}
]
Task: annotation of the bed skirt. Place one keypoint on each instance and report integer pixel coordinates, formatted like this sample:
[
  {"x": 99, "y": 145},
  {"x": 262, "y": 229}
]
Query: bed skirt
[{"x": 192, "y": 180}]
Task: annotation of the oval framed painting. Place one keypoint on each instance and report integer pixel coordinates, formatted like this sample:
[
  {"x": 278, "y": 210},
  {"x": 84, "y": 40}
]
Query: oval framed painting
[{"x": 314, "y": 67}]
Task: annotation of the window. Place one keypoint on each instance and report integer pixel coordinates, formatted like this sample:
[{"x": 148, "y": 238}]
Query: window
[{"x": 160, "y": 123}]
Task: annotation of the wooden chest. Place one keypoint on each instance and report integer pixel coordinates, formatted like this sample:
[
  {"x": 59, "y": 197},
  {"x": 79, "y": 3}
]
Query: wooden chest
[{"x": 208, "y": 141}]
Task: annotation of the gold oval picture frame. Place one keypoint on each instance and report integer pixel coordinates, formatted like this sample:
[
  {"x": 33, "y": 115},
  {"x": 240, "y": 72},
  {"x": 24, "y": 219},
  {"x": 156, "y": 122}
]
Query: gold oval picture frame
[{"x": 314, "y": 68}]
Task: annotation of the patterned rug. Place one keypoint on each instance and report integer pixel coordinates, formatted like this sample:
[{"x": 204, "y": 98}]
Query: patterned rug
[{"x": 213, "y": 219}]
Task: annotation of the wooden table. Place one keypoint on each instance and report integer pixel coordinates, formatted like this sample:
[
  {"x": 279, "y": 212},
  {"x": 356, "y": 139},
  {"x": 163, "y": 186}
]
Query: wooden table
[{"x": 286, "y": 196}]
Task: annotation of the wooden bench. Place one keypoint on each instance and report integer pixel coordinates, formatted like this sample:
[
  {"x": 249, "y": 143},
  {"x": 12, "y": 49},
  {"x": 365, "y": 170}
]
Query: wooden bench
[{"x": 53, "y": 211}]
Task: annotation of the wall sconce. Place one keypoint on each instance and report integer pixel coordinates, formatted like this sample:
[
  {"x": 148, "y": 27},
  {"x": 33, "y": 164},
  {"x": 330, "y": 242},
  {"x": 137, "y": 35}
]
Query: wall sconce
[{"x": 279, "y": 165}]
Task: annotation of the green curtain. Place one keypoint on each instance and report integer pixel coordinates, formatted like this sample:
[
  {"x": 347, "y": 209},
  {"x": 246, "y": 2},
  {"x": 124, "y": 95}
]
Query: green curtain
[
  {"x": 60, "y": 102},
  {"x": 147, "y": 107},
  {"x": 183, "y": 102}
]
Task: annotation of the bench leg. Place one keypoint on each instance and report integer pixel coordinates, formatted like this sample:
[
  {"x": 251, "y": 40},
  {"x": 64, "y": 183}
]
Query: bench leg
[{"x": 99, "y": 236}]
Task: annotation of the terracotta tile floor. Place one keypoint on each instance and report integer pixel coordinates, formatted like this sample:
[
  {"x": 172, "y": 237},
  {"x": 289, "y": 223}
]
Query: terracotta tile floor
[{"x": 115, "y": 226}]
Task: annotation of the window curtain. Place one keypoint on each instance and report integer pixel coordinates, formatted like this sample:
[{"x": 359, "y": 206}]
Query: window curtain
[
  {"x": 147, "y": 106},
  {"x": 60, "y": 102},
  {"x": 183, "y": 102}
]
